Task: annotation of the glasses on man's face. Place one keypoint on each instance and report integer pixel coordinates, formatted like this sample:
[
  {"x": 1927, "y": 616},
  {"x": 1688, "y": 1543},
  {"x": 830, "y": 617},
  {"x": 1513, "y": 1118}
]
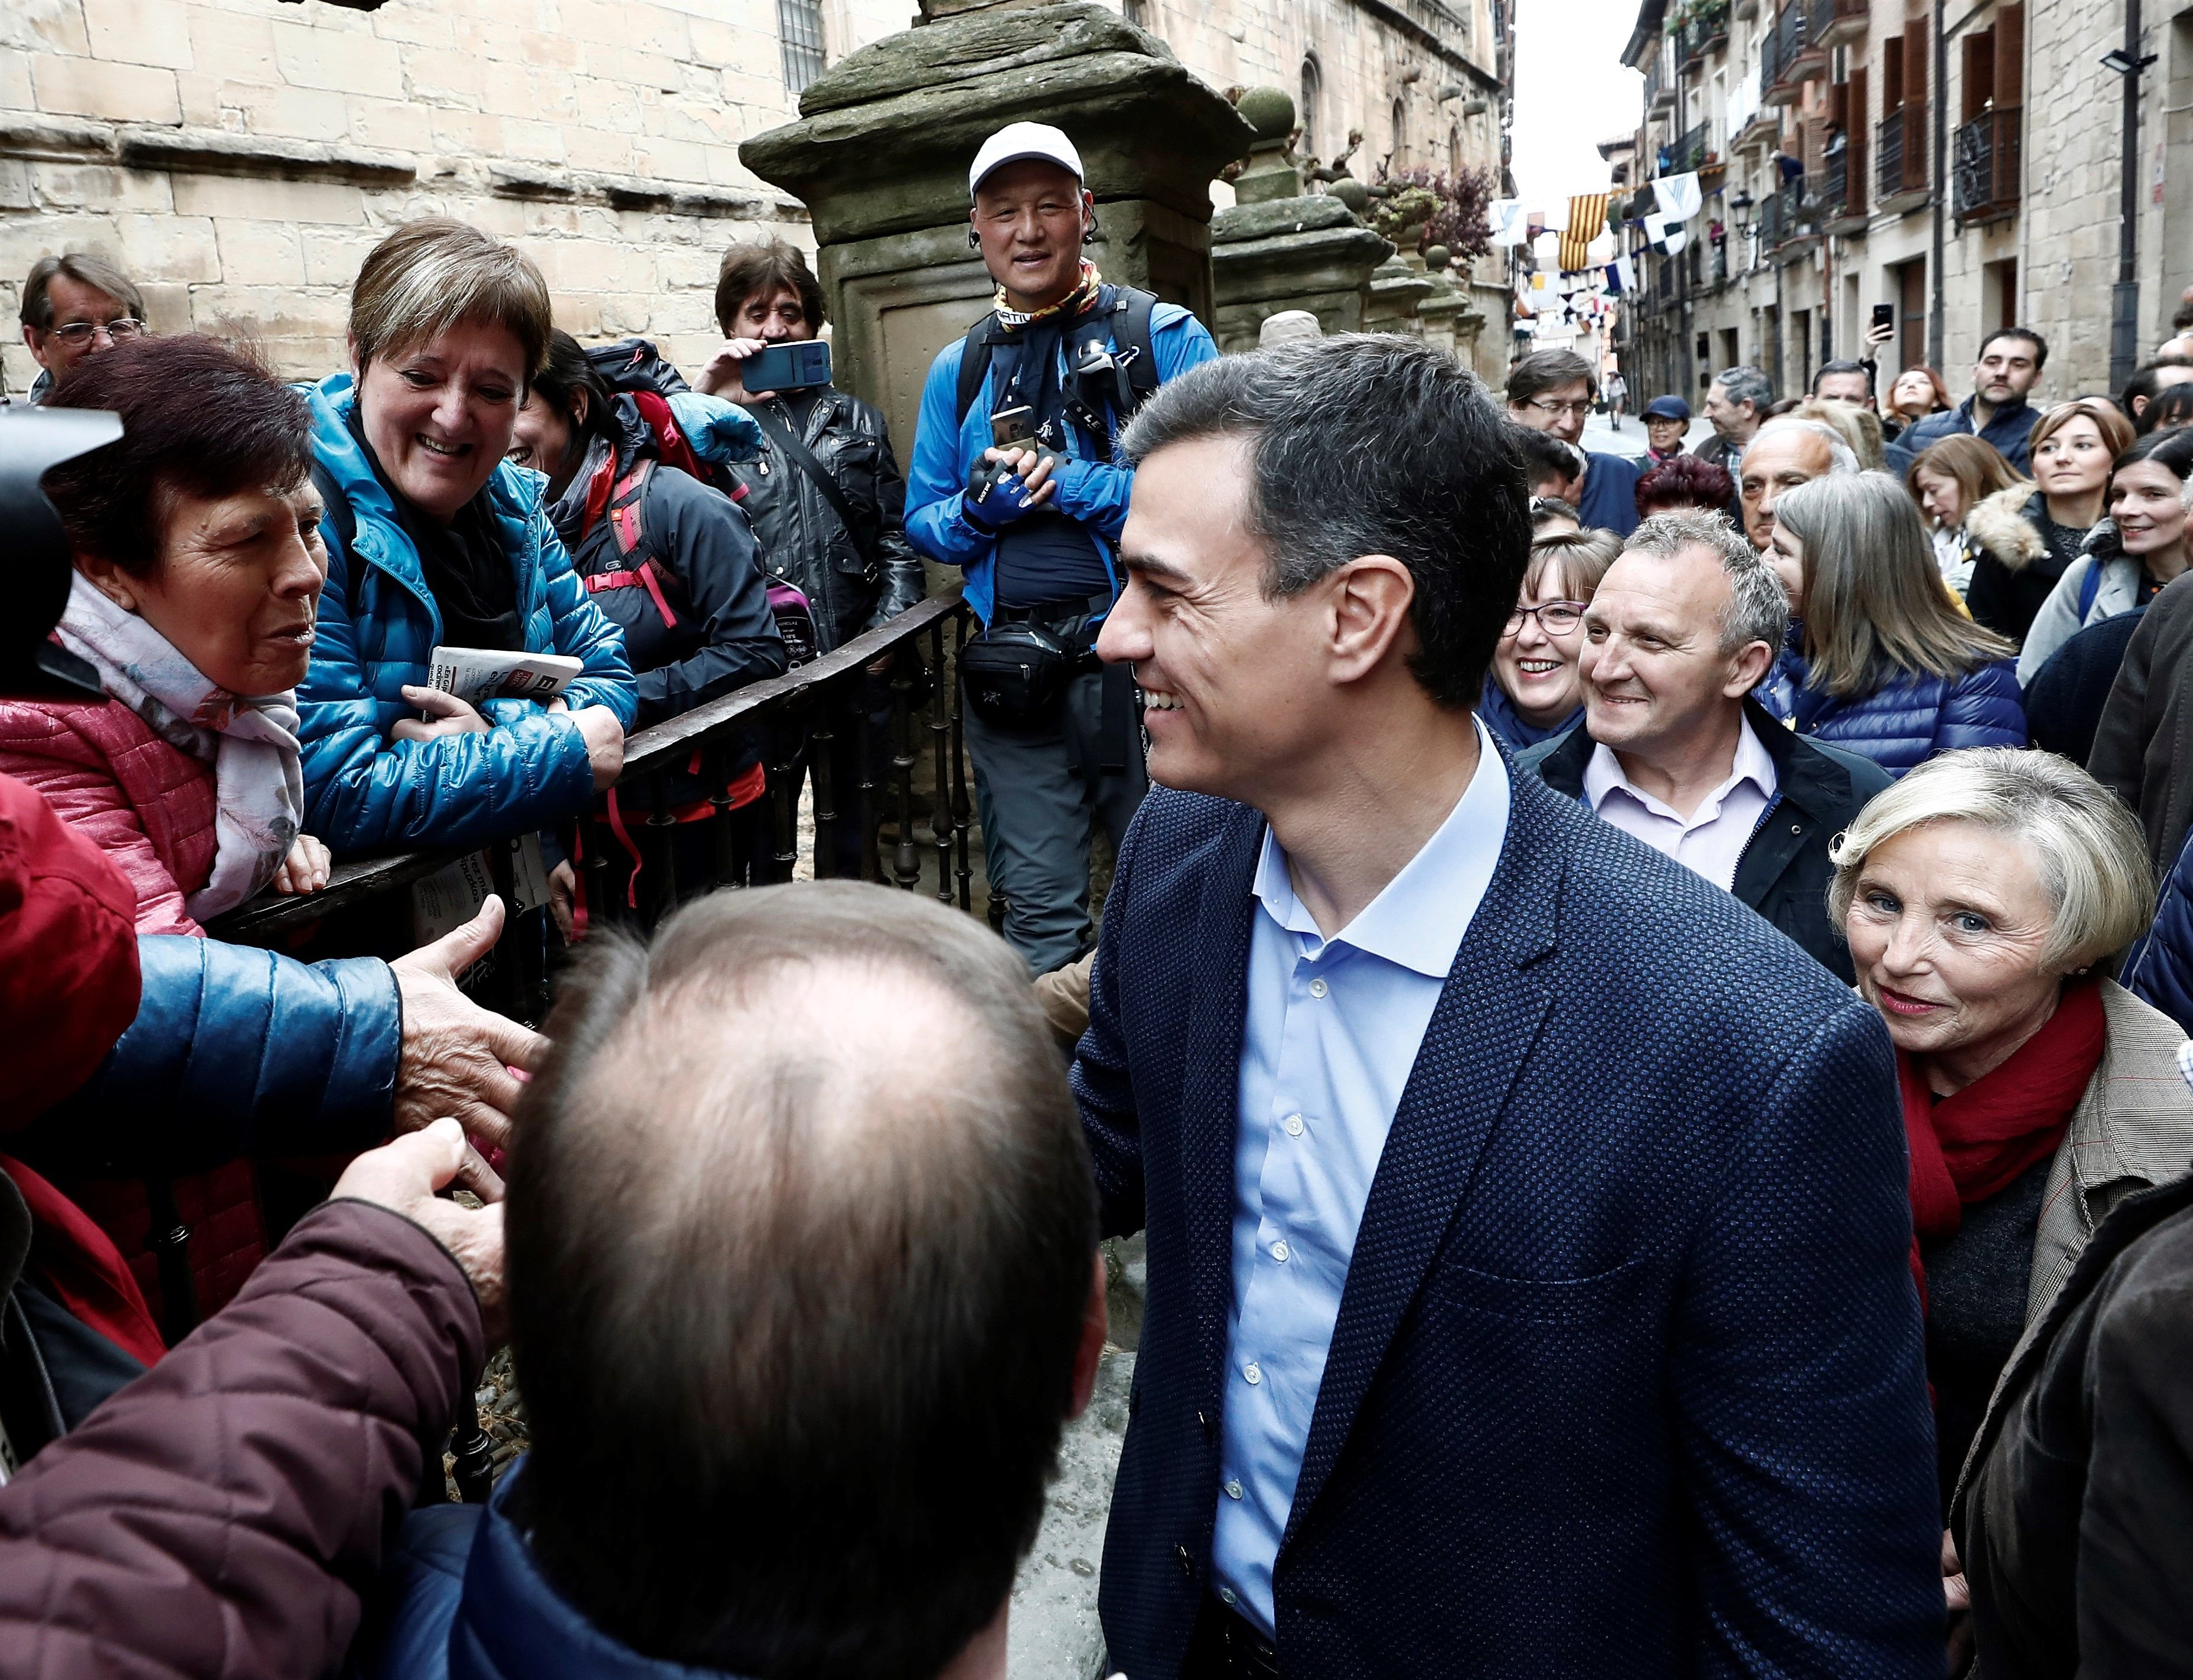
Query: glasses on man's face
[
  {"x": 78, "y": 334},
  {"x": 1555, "y": 618},
  {"x": 1555, "y": 410}
]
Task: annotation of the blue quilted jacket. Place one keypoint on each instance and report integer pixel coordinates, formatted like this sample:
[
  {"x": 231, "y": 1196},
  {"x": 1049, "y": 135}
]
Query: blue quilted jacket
[
  {"x": 378, "y": 625},
  {"x": 2160, "y": 970},
  {"x": 1903, "y": 724}
]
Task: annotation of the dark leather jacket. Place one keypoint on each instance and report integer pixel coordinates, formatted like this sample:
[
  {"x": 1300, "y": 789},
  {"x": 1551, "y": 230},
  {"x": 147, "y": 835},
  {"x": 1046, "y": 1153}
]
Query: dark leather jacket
[{"x": 801, "y": 538}]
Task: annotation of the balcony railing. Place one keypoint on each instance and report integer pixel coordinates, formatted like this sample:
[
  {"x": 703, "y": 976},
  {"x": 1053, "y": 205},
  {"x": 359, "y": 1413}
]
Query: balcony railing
[
  {"x": 1659, "y": 91},
  {"x": 1783, "y": 216},
  {"x": 1899, "y": 147},
  {"x": 921, "y": 782},
  {"x": 1834, "y": 184},
  {"x": 1781, "y": 49},
  {"x": 1986, "y": 165},
  {"x": 1687, "y": 152},
  {"x": 1841, "y": 21}
]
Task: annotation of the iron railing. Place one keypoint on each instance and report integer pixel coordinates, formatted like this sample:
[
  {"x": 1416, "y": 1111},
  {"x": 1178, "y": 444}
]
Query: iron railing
[
  {"x": 1688, "y": 151},
  {"x": 1782, "y": 216},
  {"x": 794, "y": 719},
  {"x": 1899, "y": 144},
  {"x": 1781, "y": 47},
  {"x": 1835, "y": 183},
  {"x": 1985, "y": 181}
]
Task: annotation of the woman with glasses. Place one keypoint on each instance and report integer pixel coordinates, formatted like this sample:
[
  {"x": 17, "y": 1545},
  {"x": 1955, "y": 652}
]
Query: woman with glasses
[
  {"x": 75, "y": 305},
  {"x": 1530, "y": 693}
]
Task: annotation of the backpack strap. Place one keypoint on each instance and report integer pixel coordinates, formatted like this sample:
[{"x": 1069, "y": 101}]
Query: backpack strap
[
  {"x": 2090, "y": 586},
  {"x": 1135, "y": 306},
  {"x": 784, "y": 437},
  {"x": 975, "y": 361},
  {"x": 628, "y": 504}
]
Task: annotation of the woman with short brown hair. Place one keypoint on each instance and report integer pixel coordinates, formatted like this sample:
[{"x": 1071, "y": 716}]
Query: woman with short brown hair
[{"x": 434, "y": 539}]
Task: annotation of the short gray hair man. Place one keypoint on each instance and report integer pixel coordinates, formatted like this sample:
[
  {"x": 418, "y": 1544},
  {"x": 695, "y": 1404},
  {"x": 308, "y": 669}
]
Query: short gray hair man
[
  {"x": 1758, "y": 608},
  {"x": 1788, "y": 452}
]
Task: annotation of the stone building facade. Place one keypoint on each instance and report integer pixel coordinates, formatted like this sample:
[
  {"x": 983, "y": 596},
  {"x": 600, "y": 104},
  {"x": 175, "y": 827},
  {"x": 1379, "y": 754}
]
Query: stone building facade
[
  {"x": 1850, "y": 159},
  {"x": 238, "y": 156}
]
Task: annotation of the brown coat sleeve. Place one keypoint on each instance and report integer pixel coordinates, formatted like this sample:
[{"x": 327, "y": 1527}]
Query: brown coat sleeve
[
  {"x": 1062, "y": 994},
  {"x": 221, "y": 1516}
]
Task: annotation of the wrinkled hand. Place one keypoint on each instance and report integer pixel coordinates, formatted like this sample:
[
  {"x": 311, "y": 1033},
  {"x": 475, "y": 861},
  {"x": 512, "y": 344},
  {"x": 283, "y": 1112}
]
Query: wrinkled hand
[
  {"x": 403, "y": 1176},
  {"x": 1957, "y": 1595},
  {"x": 305, "y": 868},
  {"x": 604, "y": 736},
  {"x": 720, "y": 376},
  {"x": 457, "y": 1056},
  {"x": 446, "y": 714},
  {"x": 563, "y": 899}
]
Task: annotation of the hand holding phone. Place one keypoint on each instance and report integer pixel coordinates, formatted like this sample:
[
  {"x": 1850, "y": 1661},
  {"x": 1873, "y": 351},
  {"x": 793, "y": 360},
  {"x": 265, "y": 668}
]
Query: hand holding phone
[{"x": 794, "y": 365}]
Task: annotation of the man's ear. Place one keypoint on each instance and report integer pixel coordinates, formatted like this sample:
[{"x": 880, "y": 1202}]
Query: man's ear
[
  {"x": 111, "y": 582},
  {"x": 1096, "y": 1325},
  {"x": 1746, "y": 670},
  {"x": 1369, "y": 602},
  {"x": 350, "y": 353}
]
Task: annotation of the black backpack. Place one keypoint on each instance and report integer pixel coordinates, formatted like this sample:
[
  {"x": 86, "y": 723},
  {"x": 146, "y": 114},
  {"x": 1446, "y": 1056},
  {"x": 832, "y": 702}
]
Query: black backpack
[{"x": 1137, "y": 374}]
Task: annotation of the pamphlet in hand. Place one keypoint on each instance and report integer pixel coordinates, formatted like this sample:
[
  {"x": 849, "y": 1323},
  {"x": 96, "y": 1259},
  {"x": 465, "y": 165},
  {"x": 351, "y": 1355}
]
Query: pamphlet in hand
[{"x": 478, "y": 673}]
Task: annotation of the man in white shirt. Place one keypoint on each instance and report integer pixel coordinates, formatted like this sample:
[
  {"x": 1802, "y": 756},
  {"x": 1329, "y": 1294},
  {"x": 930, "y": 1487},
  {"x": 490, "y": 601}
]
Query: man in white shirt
[{"x": 1674, "y": 751}]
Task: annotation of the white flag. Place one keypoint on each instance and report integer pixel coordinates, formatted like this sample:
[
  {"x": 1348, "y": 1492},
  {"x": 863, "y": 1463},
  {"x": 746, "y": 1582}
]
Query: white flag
[
  {"x": 1504, "y": 216},
  {"x": 1678, "y": 196}
]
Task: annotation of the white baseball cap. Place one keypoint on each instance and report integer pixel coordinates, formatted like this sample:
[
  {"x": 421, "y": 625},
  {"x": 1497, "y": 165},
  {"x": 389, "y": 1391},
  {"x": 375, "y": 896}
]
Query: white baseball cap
[{"x": 1018, "y": 140}]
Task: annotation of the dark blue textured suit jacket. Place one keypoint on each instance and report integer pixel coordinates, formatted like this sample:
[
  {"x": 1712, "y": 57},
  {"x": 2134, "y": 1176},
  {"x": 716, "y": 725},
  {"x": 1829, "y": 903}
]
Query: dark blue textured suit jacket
[{"x": 1628, "y": 1378}]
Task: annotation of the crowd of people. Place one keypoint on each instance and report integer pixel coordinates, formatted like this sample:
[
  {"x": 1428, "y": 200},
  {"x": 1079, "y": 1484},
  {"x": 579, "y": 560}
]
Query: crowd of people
[{"x": 1642, "y": 1008}]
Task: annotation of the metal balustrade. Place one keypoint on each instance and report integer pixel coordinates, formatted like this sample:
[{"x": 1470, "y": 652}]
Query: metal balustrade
[
  {"x": 1900, "y": 152},
  {"x": 793, "y": 717},
  {"x": 1984, "y": 180}
]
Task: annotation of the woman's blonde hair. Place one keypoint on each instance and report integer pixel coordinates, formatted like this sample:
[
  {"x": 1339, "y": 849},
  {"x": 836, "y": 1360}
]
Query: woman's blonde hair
[
  {"x": 1859, "y": 428},
  {"x": 2093, "y": 855},
  {"x": 1579, "y": 559},
  {"x": 1875, "y": 607},
  {"x": 432, "y": 274},
  {"x": 1977, "y": 465}
]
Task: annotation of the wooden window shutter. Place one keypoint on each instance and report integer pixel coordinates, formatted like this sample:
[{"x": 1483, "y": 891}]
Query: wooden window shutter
[
  {"x": 2009, "y": 58},
  {"x": 1914, "y": 65},
  {"x": 1979, "y": 73},
  {"x": 1838, "y": 106},
  {"x": 1861, "y": 142},
  {"x": 1891, "y": 76}
]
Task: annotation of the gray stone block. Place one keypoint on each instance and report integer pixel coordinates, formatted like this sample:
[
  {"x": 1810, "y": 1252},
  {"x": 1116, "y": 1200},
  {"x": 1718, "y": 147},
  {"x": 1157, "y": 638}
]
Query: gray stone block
[{"x": 1053, "y": 1633}]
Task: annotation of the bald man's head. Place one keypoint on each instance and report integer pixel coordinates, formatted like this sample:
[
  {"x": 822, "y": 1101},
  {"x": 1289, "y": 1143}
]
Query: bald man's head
[{"x": 800, "y": 1228}]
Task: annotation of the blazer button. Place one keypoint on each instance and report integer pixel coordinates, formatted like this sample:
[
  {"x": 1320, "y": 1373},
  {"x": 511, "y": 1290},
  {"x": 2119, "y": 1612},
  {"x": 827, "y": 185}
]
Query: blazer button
[
  {"x": 1186, "y": 1562},
  {"x": 1204, "y": 1419}
]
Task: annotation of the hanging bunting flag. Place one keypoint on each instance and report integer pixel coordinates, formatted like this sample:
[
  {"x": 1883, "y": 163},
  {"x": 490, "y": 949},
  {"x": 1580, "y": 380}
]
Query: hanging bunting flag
[
  {"x": 1535, "y": 223},
  {"x": 1587, "y": 219},
  {"x": 1678, "y": 196},
  {"x": 1504, "y": 216}
]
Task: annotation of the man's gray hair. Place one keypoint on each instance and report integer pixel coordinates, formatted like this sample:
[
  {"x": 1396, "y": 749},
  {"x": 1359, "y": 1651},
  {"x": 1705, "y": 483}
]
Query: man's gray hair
[
  {"x": 1747, "y": 384},
  {"x": 1841, "y": 458},
  {"x": 1758, "y": 608}
]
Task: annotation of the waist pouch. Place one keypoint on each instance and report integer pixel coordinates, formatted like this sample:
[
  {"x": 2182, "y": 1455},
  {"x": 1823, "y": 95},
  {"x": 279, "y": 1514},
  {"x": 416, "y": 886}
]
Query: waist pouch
[{"x": 1016, "y": 674}]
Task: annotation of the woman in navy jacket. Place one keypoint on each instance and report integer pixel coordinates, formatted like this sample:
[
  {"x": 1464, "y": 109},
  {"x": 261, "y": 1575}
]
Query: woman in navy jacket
[{"x": 1891, "y": 667}]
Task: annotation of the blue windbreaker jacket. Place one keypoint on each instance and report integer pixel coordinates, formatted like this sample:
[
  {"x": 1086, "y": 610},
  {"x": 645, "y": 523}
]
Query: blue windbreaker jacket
[
  {"x": 1092, "y": 492},
  {"x": 377, "y": 626}
]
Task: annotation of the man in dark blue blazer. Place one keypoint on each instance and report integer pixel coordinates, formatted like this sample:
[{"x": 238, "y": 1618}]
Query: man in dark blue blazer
[{"x": 1528, "y": 1231}]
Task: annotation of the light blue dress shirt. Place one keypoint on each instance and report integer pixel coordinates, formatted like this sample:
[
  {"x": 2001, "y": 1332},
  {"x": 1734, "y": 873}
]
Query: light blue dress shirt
[{"x": 1331, "y": 1032}]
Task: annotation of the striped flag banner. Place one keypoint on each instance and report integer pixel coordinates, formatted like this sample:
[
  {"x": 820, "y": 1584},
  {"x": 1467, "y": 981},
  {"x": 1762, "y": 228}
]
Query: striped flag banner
[{"x": 1587, "y": 220}]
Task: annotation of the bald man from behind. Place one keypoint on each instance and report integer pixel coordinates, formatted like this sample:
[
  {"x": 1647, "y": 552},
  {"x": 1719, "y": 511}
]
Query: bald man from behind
[{"x": 804, "y": 1286}]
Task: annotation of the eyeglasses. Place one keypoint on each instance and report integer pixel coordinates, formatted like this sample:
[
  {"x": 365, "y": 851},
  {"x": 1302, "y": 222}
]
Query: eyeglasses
[
  {"x": 1555, "y": 618},
  {"x": 78, "y": 334},
  {"x": 1578, "y": 409}
]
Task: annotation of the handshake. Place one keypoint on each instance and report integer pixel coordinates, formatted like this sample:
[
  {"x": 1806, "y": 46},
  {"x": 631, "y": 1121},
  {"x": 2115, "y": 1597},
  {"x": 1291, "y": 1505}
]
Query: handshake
[{"x": 1008, "y": 483}]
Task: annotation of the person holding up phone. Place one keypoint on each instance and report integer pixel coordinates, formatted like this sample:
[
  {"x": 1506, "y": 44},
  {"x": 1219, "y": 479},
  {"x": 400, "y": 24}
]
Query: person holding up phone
[
  {"x": 825, "y": 497},
  {"x": 1015, "y": 482}
]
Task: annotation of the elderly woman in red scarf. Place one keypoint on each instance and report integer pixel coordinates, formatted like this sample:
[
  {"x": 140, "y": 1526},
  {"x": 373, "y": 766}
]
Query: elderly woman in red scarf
[{"x": 1984, "y": 895}]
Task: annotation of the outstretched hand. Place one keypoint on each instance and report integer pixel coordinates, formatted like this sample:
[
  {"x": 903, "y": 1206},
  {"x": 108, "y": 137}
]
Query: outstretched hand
[
  {"x": 404, "y": 1177},
  {"x": 457, "y": 1056}
]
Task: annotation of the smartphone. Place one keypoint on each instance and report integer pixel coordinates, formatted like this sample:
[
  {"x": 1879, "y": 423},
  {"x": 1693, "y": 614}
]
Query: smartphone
[
  {"x": 1013, "y": 427},
  {"x": 1884, "y": 314},
  {"x": 786, "y": 367}
]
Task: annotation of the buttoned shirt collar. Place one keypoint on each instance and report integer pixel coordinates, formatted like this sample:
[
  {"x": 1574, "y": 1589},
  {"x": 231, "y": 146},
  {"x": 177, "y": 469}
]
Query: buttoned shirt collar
[
  {"x": 1418, "y": 918},
  {"x": 1604, "y": 775}
]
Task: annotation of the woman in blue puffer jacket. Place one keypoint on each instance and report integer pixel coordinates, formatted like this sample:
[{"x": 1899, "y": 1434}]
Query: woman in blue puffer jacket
[
  {"x": 434, "y": 539},
  {"x": 1889, "y": 667}
]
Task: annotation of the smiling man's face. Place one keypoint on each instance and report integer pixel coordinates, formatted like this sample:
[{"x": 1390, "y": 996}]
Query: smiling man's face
[
  {"x": 1028, "y": 217},
  {"x": 1651, "y": 665}
]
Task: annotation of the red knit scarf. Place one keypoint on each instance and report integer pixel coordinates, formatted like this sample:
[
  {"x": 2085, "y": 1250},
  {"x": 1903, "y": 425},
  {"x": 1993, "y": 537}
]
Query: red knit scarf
[{"x": 1968, "y": 1147}]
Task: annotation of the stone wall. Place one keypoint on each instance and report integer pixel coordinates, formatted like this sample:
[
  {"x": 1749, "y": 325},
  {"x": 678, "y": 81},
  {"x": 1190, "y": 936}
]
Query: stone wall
[{"x": 239, "y": 157}]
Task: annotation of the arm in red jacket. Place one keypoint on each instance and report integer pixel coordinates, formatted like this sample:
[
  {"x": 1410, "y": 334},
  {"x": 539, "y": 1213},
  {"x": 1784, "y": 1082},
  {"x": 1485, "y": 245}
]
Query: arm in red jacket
[
  {"x": 221, "y": 1515},
  {"x": 68, "y": 956}
]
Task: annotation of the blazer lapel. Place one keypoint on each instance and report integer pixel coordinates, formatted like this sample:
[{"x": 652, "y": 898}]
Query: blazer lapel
[
  {"x": 1488, "y": 1015},
  {"x": 1210, "y": 1072}
]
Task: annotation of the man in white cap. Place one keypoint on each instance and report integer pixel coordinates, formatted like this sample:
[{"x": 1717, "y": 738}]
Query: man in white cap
[{"x": 1014, "y": 481}]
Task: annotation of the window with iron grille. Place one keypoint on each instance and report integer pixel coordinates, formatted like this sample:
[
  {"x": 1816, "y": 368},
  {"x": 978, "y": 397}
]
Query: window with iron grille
[{"x": 799, "y": 32}]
